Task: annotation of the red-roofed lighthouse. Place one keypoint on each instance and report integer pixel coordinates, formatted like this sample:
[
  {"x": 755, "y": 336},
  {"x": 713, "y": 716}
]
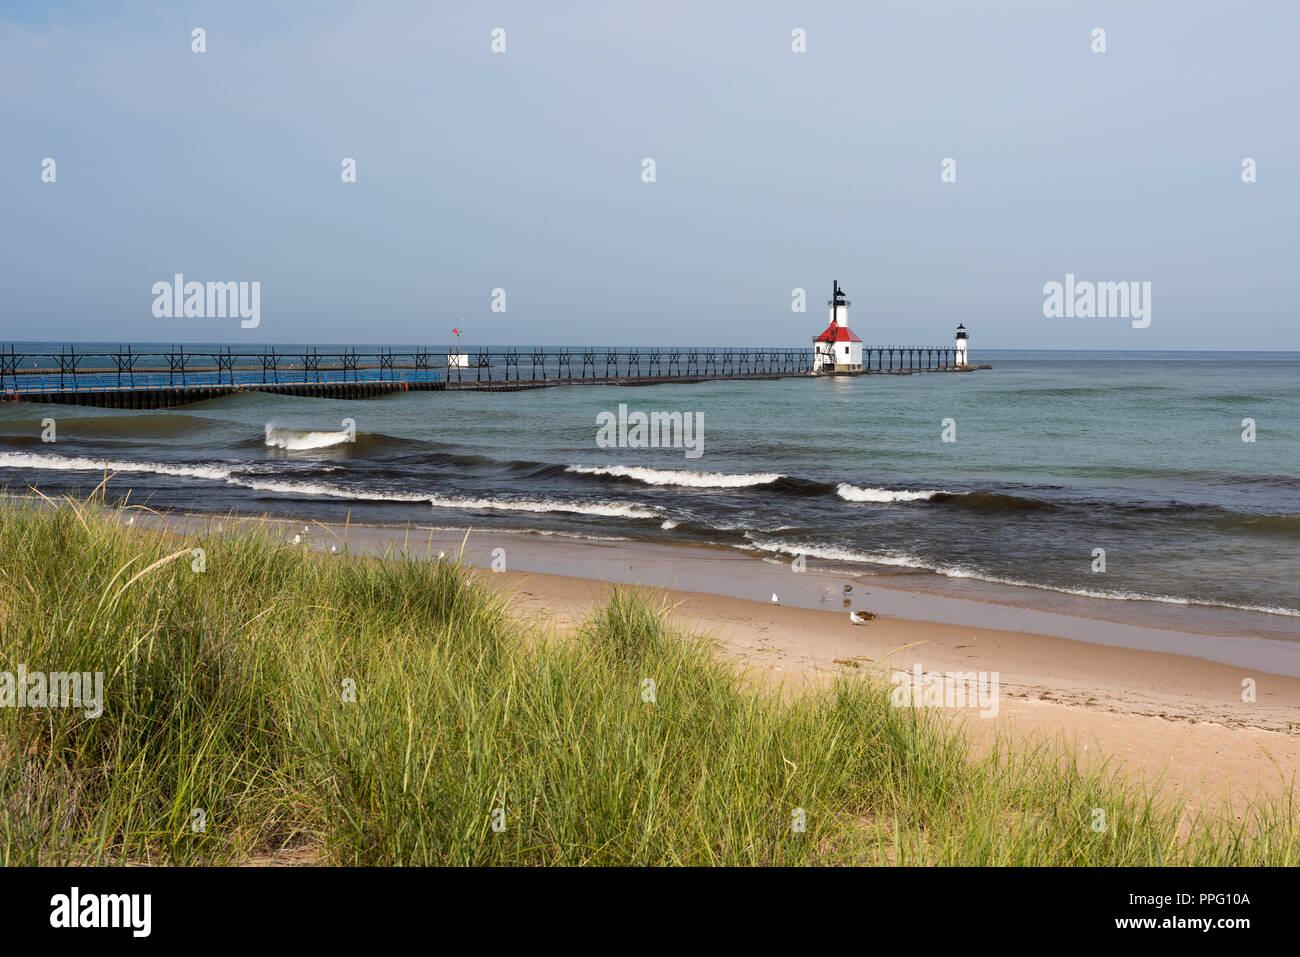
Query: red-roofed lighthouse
[{"x": 837, "y": 349}]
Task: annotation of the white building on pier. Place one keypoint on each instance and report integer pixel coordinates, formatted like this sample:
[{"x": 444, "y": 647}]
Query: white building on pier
[{"x": 837, "y": 349}]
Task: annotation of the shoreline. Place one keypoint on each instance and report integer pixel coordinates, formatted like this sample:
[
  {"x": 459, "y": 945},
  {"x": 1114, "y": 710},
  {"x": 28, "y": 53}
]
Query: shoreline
[
  {"x": 724, "y": 571},
  {"x": 1265, "y": 613},
  {"x": 702, "y": 574},
  {"x": 1163, "y": 717}
]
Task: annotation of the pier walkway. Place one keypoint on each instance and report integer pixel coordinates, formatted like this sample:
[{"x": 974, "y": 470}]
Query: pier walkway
[{"x": 150, "y": 380}]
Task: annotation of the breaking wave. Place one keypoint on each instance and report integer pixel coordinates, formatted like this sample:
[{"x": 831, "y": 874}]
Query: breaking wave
[
  {"x": 606, "y": 509},
  {"x": 59, "y": 463},
  {"x": 682, "y": 478},
  {"x": 330, "y": 491},
  {"x": 852, "y": 493},
  {"x": 977, "y": 501},
  {"x": 300, "y": 440},
  {"x": 228, "y": 475}
]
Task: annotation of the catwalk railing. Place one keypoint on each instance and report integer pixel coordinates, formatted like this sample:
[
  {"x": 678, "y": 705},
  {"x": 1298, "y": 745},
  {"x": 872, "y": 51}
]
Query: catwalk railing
[{"x": 69, "y": 370}]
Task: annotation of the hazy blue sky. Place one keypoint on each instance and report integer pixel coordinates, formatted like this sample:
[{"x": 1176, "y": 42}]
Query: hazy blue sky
[{"x": 775, "y": 169}]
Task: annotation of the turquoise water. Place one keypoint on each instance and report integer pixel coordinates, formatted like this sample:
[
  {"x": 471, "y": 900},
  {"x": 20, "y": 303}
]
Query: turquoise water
[{"x": 1056, "y": 454}]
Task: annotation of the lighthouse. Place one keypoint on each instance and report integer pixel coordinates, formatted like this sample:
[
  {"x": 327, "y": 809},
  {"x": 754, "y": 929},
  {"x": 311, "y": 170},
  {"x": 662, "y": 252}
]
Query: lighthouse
[
  {"x": 961, "y": 344},
  {"x": 837, "y": 349}
]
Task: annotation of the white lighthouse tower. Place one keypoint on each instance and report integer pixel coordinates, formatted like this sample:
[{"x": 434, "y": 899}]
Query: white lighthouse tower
[
  {"x": 837, "y": 349},
  {"x": 961, "y": 344}
]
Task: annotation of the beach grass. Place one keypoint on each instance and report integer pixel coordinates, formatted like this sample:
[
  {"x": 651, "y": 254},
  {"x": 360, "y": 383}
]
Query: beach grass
[{"x": 393, "y": 712}]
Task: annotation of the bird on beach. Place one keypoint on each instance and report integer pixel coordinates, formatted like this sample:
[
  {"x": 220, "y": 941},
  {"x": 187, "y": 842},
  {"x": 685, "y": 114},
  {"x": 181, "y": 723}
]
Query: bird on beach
[
  {"x": 297, "y": 539},
  {"x": 775, "y": 600},
  {"x": 333, "y": 549},
  {"x": 847, "y": 589},
  {"x": 861, "y": 620}
]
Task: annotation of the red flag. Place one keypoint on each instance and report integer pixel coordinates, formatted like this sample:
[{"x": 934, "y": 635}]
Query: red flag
[{"x": 455, "y": 332}]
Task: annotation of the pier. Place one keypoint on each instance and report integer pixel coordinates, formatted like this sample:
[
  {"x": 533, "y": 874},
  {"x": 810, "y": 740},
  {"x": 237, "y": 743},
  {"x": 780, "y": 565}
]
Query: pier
[{"x": 127, "y": 379}]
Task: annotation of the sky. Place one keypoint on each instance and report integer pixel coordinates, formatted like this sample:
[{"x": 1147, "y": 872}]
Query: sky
[{"x": 774, "y": 170}]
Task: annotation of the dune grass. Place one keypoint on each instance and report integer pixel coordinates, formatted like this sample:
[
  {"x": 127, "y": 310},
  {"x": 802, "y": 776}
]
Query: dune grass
[{"x": 228, "y": 690}]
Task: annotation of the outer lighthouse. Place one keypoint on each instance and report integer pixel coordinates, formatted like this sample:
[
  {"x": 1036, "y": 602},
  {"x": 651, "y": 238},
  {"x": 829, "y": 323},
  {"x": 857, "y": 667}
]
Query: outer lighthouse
[
  {"x": 837, "y": 349},
  {"x": 961, "y": 345}
]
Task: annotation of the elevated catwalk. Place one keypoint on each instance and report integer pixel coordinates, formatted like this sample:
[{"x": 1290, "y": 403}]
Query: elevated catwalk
[{"x": 127, "y": 379}]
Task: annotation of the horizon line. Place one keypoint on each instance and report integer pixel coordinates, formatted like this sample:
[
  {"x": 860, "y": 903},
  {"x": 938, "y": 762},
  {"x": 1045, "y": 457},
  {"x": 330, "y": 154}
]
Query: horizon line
[{"x": 265, "y": 345}]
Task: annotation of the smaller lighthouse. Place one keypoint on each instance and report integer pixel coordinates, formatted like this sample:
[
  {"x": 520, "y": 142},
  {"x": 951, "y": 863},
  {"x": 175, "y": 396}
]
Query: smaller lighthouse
[
  {"x": 961, "y": 344},
  {"x": 837, "y": 349}
]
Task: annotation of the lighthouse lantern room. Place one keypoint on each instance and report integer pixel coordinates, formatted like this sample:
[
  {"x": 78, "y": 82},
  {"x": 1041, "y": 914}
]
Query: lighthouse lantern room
[{"x": 837, "y": 349}]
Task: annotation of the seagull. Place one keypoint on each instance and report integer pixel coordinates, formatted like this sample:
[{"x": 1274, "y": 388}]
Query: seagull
[
  {"x": 333, "y": 549},
  {"x": 297, "y": 539},
  {"x": 131, "y": 520},
  {"x": 775, "y": 600},
  {"x": 441, "y": 556},
  {"x": 867, "y": 616}
]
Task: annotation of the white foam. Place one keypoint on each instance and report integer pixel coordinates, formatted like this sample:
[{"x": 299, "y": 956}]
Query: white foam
[
  {"x": 606, "y": 509},
  {"x": 669, "y": 523},
  {"x": 331, "y": 491},
  {"x": 853, "y": 493},
  {"x": 677, "y": 477},
  {"x": 59, "y": 463},
  {"x": 300, "y": 440},
  {"x": 833, "y": 553}
]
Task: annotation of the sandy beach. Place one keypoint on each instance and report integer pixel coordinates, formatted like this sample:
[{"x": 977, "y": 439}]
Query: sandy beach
[
  {"x": 1175, "y": 721},
  {"x": 1115, "y": 692}
]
